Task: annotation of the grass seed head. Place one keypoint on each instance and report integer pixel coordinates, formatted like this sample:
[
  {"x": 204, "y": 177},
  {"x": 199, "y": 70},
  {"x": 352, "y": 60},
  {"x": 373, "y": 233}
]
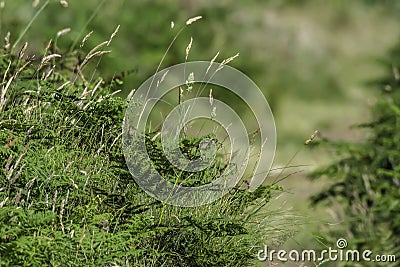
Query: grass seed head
[
  {"x": 64, "y": 3},
  {"x": 312, "y": 136},
  {"x": 63, "y": 32},
  {"x": 23, "y": 50},
  {"x": 194, "y": 19},
  {"x": 7, "y": 42},
  {"x": 85, "y": 39},
  {"x": 188, "y": 48},
  {"x": 113, "y": 35}
]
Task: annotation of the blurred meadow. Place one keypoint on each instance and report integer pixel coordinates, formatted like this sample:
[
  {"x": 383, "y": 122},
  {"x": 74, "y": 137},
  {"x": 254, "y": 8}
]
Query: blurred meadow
[{"x": 313, "y": 59}]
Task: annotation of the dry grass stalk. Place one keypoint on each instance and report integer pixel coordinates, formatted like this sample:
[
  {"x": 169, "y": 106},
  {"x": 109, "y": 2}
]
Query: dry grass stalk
[
  {"x": 30, "y": 130},
  {"x": 4, "y": 89},
  {"x": 96, "y": 87},
  {"x": 7, "y": 42},
  {"x": 67, "y": 167},
  {"x": 30, "y": 183},
  {"x": 130, "y": 94},
  {"x": 86, "y": 182},
  {"x": 48, "y": 151},
  {"x": 2, "y": 203},
  {"x": 46, "y": 59},
  {"x": 11, "y": 169},
  {"x": 93, "y": 53},
  {"x": 72, "y": 233},
  {"x": 226, "y": 61},
  {"x": 80, "y": 74},
  {"x": 61, "y": 215},
  {"x": 115, "y": 140},
  {"x": 113, "y": 93},
  {"x": 84, "y": 94},
  {"x": 99, "y": 151},
  {"x": 113, "y": 35},
  {"x": 22, "y": 51},
  {"x": 63, "y": 85},
  {"x": 66, "y": 198},
  {"x": 254, "y": 135},
  {"x": 211, "y": 98},
  {"x": 8, "y": 164},
  {"x": 15, "y": 178},
  {"x": 63, "y": 32},
  {"x": 188, "y": 48},
  {"x": 212, "y": 61},
  {"x": 17, "y": 197},
  {"x": 162, "y": 79},
  {"x": 3, "y": 93},
  {"x": 194, "y": 19},
  {"x": 23, "y": 67},
  {"x": 88, "y": 104},
  {"x": 48, "y": 73},
  {"x": 97, "y": 47},
  {"x": 82, "y": 236},
  {"x": 85, "y": 39},
  {"x": 6, "y": 72},
  {"x": 48, "y": 46},
  {"x": 73, "y": 183},
  {"x": 164, "y": 75},
  {"x": 27, "y": 197},
  {"x": 312, "y": 136},
  {"x": 54, "y": 201},
  {"x": 11, "y": 143}
]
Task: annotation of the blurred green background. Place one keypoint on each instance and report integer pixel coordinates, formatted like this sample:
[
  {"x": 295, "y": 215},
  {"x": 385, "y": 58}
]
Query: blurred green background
[{"x": 312, "y": 59}]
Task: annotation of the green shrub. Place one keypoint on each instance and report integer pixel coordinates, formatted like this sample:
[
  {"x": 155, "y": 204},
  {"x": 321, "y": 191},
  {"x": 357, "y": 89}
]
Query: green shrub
[
  {"x": 67, "y": 197},
  {"x": 366, "y": 177}
]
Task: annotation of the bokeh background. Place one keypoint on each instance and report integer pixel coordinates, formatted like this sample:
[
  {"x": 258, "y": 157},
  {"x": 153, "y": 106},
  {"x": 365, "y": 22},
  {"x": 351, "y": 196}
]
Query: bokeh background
[{"x": 313, "y": 60}]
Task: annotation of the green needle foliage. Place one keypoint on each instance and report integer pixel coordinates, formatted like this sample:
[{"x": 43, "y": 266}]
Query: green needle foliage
[
  {"x": 366, "y": 178},
  {"x": 67, "y": 197}
]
